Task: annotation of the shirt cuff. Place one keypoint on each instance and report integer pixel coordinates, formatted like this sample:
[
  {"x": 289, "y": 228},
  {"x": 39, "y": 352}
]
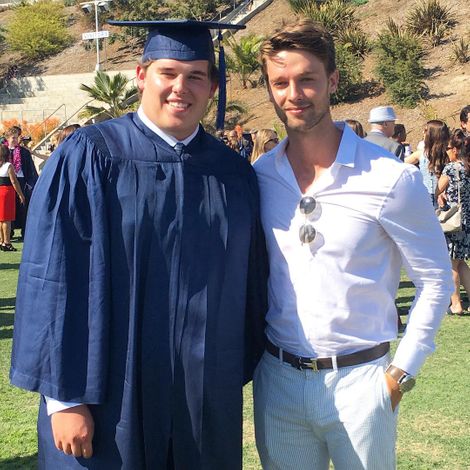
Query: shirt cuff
[
  {"x": 410, "y": 358},
  {"x": 53, "y": 406}
]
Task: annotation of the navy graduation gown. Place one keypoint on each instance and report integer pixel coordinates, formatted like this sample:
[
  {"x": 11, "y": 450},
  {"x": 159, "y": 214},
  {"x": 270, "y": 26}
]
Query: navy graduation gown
[{"x": 142, "y": 292}]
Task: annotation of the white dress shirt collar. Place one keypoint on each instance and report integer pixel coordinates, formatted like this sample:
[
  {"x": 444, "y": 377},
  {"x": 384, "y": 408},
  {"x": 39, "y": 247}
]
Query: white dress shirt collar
[
  {"x": 345, "y": 157},
  {"x": 169, "y": 139}
]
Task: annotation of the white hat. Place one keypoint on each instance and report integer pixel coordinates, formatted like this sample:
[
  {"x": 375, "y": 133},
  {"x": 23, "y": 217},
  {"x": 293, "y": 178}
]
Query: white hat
[{"x": 382, "y": 114}]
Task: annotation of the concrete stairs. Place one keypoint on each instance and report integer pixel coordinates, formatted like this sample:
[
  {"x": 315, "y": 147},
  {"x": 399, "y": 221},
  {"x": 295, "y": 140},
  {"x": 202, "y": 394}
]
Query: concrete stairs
[{"x": 35, "y": 98}]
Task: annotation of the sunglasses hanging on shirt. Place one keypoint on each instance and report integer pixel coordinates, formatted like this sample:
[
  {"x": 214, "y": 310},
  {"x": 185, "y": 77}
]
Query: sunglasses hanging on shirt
[{"x": 307, "y": 232}]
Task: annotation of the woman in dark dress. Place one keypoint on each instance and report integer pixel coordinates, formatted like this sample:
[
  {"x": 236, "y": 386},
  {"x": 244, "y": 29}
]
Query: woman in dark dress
[{"x": 455, "y": 180}]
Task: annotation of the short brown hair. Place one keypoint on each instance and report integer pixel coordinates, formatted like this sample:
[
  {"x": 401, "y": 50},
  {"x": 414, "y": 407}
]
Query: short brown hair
[
  {"x": 305, "y": 35},
  {"x": 13, "y": 130}
]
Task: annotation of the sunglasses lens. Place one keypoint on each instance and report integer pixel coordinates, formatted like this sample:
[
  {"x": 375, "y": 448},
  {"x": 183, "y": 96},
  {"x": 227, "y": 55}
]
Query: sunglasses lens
[
  {"x": 307, "y": 205},
  {"x": 307, "y": 233}
]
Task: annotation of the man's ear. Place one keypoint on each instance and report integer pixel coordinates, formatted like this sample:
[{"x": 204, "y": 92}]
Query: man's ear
[
  {"x": 140, "y": 77},
  {"x": 333, "y": 81},
  {"x": 214, "y": 86}
]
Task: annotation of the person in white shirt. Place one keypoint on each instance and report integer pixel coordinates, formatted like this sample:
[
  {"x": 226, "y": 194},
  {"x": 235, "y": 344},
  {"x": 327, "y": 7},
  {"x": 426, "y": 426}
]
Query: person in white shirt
[{"x": 341, "y": 217}]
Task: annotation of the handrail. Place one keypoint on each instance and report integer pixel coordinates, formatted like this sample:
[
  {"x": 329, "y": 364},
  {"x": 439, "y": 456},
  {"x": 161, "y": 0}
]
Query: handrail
[
  {"x": 50, "y": 115},
  {"x": 53, "y": 112},
  {"x": 62, "y": 124}
]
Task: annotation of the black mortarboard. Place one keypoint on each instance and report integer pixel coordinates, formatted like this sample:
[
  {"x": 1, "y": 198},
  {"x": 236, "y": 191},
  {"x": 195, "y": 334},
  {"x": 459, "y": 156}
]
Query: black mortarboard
[{"x": 185, "y": 40}]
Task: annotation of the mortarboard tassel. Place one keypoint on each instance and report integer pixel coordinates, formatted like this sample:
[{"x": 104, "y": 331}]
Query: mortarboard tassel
[{"x": 220, "y": 120}]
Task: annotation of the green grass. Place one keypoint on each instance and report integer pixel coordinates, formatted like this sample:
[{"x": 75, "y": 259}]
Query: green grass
[
  {"x": 18, "y": 409},
  {"x": 434, "y": 419}
]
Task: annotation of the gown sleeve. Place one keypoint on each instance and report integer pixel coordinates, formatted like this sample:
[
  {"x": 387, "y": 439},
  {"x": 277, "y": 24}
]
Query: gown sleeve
[
  {"x": 257, "y": 303},
  {"x": 60, "y": 343}
]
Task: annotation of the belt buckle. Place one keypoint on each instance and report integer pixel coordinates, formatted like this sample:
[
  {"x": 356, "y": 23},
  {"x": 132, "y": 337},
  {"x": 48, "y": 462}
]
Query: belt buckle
[{"x": 309, "y": 364}]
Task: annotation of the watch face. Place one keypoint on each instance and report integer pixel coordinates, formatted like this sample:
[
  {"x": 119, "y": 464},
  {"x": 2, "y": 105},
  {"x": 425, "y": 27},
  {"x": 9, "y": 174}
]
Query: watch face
[{"x": 407, "y": 383}]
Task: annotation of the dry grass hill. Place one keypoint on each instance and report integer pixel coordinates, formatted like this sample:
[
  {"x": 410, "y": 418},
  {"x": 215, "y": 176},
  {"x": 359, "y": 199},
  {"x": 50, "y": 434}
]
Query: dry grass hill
[{"x": 448, "y": 83}]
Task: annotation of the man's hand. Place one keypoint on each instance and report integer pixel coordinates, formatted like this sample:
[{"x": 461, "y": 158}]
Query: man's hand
[
  {"x": 73, "y": 431},
  {"x": 393, "y": 390}
]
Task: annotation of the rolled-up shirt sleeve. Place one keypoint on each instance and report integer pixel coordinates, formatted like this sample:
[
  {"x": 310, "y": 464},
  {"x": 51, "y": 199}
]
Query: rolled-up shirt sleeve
[{"x": 408, "y": 217}]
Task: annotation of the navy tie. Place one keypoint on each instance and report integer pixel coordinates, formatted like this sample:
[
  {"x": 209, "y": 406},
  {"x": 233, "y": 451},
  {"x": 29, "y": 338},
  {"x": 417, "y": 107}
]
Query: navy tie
[{"x": 179, "y": 149}]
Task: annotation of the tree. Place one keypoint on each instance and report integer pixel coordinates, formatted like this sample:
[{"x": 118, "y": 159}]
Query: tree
[
  {"x": 193, "y": 9},
  {"x": 113, "y": 91},
  {"x": 38, "y": 29},
  {"x": 243, "y": 60}
]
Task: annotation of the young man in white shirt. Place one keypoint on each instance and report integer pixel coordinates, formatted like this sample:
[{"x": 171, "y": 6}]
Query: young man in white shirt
[{"x": 341, "y": 216}]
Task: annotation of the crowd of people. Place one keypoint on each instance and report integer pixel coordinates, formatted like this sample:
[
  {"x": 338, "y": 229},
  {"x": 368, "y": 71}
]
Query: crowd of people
[
  {"x": 443, "y": 159},
  {"x": 164, "y": 268},
  {"x": 18, "y": 177},
  {"x": 250, "y": 145}
]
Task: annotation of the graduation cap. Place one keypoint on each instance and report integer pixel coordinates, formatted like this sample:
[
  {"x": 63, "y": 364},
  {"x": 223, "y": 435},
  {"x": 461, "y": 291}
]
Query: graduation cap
[{"x": 185, "y": 40}]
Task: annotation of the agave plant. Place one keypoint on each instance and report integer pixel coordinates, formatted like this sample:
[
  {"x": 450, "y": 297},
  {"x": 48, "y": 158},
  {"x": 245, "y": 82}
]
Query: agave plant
[
  {"x": 356, "y": 41},
  {"x": 114, "y": 92},
  {"x": 461, "y": 51},
  {"x": 334, "y": 15},
  {"x": 430, "y": 18},
  {"x": 298, "y": 5}
]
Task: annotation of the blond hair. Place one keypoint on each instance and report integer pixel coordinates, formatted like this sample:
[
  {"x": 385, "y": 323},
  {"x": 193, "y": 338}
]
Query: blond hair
[{"x": 263, "y": 136}]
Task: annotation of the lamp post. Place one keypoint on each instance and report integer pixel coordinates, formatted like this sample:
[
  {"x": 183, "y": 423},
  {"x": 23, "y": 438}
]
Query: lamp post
[{"x": 99, "y": 5}]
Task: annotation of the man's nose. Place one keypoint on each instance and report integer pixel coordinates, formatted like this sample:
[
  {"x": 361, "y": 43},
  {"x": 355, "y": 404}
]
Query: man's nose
[
  {"x": 179, "y": 84},
  {"x": 295, "y": 91}
]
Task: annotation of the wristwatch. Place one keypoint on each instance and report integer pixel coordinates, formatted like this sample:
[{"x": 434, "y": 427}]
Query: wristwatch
[{"x": 404, "y": 380}]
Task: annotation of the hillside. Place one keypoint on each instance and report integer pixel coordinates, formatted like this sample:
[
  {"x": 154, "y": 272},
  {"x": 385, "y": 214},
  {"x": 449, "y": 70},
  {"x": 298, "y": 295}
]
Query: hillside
[{"x": 448, "y": 83}]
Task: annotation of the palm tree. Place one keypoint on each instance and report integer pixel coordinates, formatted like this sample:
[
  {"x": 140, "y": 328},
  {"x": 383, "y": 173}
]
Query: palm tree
[
  {"x": 113, "y": 92},
  {"x": 234, "y": 109},
  {"x": 244, "y": 58}
]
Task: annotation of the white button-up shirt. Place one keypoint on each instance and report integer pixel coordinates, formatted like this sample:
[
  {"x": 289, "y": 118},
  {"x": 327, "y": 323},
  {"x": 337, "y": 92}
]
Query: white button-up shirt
[{"x": 337, "y": 295}]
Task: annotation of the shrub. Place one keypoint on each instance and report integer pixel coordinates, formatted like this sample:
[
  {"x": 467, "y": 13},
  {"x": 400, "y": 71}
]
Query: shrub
[
  {"x": 335, "y": 15},
  {"x": 399, "y": 67},
  {"x": 460, "y": 51},
  {"x": 350, "y": 74},
  {"x": 299, "y": 5},
  {"x": 38, "y": 29},
  {"x": 430, "y": 18},
  {"x": 36, "y": 130},
  {"x": 356, "y": 40},
  {"x": 196, "y": 9},
  {"x": 392, "y": 27}
]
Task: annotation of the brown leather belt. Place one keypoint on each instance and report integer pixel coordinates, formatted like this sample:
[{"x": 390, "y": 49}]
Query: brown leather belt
[{"x": 307, "y": 363}]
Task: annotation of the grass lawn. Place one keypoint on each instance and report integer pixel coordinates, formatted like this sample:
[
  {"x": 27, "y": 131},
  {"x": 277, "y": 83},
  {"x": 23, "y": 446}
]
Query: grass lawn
[{"x": 434, "y": 420}]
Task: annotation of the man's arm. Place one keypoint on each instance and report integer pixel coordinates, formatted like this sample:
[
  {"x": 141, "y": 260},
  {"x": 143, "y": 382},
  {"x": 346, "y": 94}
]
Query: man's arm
[{"x": 409, "y": 219}]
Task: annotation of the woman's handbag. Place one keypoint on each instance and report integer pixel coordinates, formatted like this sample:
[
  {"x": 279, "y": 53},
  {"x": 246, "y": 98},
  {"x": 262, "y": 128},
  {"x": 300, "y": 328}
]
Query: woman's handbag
[{"x": 451, "y": 219}]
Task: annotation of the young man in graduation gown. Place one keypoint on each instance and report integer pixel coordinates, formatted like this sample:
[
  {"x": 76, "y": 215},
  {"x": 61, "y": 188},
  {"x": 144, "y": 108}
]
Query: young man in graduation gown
[{"x": 141, "y": 296}]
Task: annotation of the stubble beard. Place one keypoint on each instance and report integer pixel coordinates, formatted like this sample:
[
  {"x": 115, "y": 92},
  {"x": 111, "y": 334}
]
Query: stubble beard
[{"x": 303, "y": 125}]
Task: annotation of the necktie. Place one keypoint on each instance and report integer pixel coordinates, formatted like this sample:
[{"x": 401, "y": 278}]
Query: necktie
[{"x": 179, "y": 149}]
